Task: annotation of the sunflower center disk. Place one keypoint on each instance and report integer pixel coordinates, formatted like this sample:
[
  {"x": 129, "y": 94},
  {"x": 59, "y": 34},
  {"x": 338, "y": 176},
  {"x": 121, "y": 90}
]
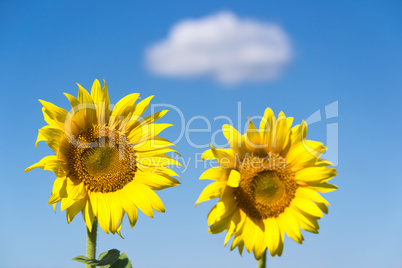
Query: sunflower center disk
[
  {"x": 103, "y": 160},
  {"x": 267, "y": 186}
]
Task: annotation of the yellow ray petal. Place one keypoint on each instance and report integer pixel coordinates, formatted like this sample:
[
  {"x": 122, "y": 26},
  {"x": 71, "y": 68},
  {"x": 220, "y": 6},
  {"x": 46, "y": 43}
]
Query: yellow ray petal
[
  {"x": 88, "y": 214},
  {"x": 314, "y": 175},
  {"x": 235, "y": 139},
  {"x": 216, "y": 174},
  {"x": 281, "y": 134},
  {"x": 234, "y": 178},
  {"x": 213, "y": 190},
  {"x": 314, "y": 196},
  {"x": 42, "y": 163},
  {"x": 129, "y": 207},
  {"x": 73, "y": 190},
  {"x": 249, "y": 231},
  {"x": 155, "y": 181},
  {"x": 252, "y": 138},
  {"x": 73, "y": 102},
  {"x": 307, "y": 206},
  {"x": 74, "y": 209},
  {"x": 225, "y": 157},
  {"x": 116, "y": 208},
  {"x": 125, "y": 106},
  {"x": 87, "y": 109},
  {"x": 290, "y": 225},
  {"x": 134, "y": 191},
  {"x": 233, "y": 225},
  {"x": 136, "y": 123},
  {"x": 259, "y": 243},
  {"x": 324, "y": 187},
  {"x": 142, "y": 106},
  {"x": 103, "y": 213},
  {"x": 52, "y": 136},
  {"x": 59, "y": 190},
  {"x": 224, "y": 208},
  {"x": 272, "y": 236},
  {"x": 59, "y": 115}
]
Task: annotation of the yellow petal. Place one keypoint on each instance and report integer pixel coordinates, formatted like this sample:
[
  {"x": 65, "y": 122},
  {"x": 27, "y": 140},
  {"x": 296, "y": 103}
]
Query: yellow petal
[
  {"x": 235, "y": 140},
  {"x": 224, "y": 208},
  {"x": 249, "y": 234},
  {"x": 96, "y": 92},
  {"x": 290, "y": 225},
  {"x": 153, "y": 198},
  {"x": 75, "y": 104},
  {"x": 225, "y": 157},
  {"x": 259, "y": 243},
  {"x": 314, "y": 196},
  {"x": 129, "y": 207},
  {"x": 59, "y": 190},
  {"x": 220, "y": 225},
  {"x": 94, "y": 202},
  {"x": 125, "y": 106},
  {"x": 234, "y": 178},
  {"x": 88, "y": 214},
  {"x": 52, "y": 136},
  {"x": 324, "y": 187},
  {"x": 155, "y": 181},
  {"x": 304, "y": 154},
  {"x": 306, "y": 221},
  {"x": 134, "y": 191},
  {"x": 252, "y": 138},
  {"x": 268, "y": 129},
  {"x": 307, "y": 206},
  {"x": 42, "y": 163},
  {"x": 103, "y": 213},
  {"x": 233, "y": 226},
  {"x": 142, "y": 106},
  {"x": 216, "y": 174},
  {"x": 213, "y": 190},
  {"x": 59, "y": 115},
  {"x": 281, "y": 134},
  {"x": 87, "y": 108},
  {"x": 272, "y": 236},
  {"x": 136, "y": 123},
  {"x": 73, "y": 190},
  {"x": 116, "y": 212},
  {"x": 267, "y": 122},
  {"x": 314, "y": 175},
  {"x": 152, "y": 162},
  {"x": 74, "y": 209}
]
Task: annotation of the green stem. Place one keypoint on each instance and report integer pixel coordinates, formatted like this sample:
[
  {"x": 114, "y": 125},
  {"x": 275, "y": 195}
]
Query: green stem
[
  {"x": 262, "y": 263},
  {"x": 91, "y": 242}
]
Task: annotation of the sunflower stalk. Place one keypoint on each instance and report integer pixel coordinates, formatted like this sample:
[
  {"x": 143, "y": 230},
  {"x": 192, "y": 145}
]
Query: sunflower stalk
[
  {"x": 91, "y": 242},
  {"x": 262, "y": 263}
]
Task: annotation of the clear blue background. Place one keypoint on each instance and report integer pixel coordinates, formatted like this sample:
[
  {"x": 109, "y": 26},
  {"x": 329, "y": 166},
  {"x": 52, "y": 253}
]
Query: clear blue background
[{"x": 350, "y": 52}]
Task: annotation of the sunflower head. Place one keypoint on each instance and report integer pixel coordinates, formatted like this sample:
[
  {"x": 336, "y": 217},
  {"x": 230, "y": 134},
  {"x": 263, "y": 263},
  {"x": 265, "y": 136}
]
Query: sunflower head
[
  {"x": 108, "y": 162},
  {"x": 268, "y": 184}
]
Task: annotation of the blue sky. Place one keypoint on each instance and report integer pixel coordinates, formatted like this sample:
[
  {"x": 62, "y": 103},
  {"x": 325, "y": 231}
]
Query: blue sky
[{"x": 341, "y": 51}]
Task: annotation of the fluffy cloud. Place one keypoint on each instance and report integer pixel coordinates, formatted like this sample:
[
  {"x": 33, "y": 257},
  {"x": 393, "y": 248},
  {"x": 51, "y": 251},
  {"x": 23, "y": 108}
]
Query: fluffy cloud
[{"x": 223, "y": 46}]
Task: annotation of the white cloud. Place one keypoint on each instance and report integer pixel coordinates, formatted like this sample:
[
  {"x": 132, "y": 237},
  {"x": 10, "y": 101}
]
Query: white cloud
[{"x": 223, "y": 46}]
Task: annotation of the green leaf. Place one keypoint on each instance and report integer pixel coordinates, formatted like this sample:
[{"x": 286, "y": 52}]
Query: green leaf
[
  {"x": 108, "y": 257},
  {"x": 86, "y": 260},
  {"x": 122, "y": 262}
]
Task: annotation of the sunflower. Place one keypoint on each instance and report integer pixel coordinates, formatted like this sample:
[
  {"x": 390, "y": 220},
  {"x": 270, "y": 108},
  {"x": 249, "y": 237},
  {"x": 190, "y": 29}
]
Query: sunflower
[
  {"x": 267, "y": 183},
  {"x": 108, "y": 162}
]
